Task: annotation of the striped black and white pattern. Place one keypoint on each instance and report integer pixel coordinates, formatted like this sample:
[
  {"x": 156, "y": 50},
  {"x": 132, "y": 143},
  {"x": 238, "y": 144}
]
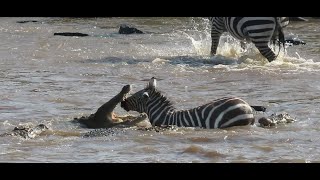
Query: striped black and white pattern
[
  {"x": 220, "y": 113},
  {"x": 258, "y": 30}
]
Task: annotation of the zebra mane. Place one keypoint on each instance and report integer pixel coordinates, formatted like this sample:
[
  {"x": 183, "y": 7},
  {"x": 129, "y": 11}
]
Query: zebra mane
[{"x": 157, "y": 93}]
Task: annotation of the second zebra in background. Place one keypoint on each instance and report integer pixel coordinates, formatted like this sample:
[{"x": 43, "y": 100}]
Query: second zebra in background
[{"x": 258, "y": 30}]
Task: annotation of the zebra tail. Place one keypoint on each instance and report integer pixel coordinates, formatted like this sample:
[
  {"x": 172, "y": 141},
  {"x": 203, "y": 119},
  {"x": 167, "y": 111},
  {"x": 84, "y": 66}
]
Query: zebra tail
[{"x": 259, "y": 108}]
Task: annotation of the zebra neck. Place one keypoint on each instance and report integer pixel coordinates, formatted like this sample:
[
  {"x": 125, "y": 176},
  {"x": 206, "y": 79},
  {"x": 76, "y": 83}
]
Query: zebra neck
[
  {"x": 162, "y": 116},
  {"x": 186, "y": 118},
  {"x": 162, "y": 112},
  {"x": 159, "y": 108}
]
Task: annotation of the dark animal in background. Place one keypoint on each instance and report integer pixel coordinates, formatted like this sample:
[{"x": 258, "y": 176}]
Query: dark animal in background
[{"x": 125, "y": 29}]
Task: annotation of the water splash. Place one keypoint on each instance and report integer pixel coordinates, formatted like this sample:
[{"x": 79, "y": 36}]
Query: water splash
[
  {"x": 229, "y": 48},
  {"x": 200, "y": 42}
]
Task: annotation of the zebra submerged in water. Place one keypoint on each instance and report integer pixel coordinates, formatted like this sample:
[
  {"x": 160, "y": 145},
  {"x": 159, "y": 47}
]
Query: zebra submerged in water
[
  {"x": 258, "y": 30},
  {"x": 220, "y": 113}
]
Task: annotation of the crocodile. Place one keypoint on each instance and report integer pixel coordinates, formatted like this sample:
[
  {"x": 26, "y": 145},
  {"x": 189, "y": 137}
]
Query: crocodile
[
  {"x": 30, "y": 132},
  {"x": 274, "y": 119},
  {"x": 104, "y": 117},
  {"x": 26, "y": 132}
]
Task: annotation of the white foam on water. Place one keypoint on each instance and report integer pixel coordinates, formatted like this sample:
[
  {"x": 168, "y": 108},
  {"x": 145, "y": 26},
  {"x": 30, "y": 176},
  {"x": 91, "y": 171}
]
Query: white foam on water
[{"x": 229, "y": 49}]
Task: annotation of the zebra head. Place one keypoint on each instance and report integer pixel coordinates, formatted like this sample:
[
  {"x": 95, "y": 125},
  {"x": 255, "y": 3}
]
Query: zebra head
[{"x": 138, "y": 101}]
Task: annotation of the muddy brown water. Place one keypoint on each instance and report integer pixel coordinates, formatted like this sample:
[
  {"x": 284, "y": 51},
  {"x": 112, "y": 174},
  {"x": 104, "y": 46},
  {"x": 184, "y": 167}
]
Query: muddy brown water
[{"x": 52, "y": 79}]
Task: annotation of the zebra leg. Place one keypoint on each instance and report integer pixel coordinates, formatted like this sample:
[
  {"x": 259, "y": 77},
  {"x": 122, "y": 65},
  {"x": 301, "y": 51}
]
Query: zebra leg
[
  {"x": 215, "y": 38},
  {"x": 265, "y": 50}
]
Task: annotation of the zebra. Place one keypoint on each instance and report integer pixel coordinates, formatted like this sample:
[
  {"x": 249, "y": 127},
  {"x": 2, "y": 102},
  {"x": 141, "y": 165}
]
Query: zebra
[
  {"x": 258, "y": 30},
  {"x": 220, "y": 113}
]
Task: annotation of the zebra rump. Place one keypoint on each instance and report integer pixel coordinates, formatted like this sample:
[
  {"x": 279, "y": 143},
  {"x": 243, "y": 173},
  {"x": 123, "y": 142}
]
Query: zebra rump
[{"x": 220, "y": 113}]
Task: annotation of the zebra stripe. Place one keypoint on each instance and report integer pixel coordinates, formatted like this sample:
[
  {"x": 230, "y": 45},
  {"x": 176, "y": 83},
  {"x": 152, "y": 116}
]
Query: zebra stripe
[
  {"x": 197, "y": 117},
  {"x": 226, "y": 111},
  {"x": 170, "y": 115},
  {"x": 155, "y": 111},
  {"x": 237, "y": 118},
  {"x": 211, "y": 111},
  {"x": 161, "y": 113},
  {"x": 259, "y": 30},
  {"x": 174, "y": 118},
  {"x": 185, "y": 120},
  {"x": 190, "y": 119}
]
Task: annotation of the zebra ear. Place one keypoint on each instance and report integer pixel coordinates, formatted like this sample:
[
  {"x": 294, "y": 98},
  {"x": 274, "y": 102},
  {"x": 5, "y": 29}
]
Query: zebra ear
[
  {"x": 145, "y": 95},
  {"x": 152, "y": 83}
]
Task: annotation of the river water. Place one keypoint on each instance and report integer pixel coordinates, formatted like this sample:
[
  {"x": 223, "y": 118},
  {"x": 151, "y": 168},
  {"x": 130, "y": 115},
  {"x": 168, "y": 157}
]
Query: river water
[{"x": 52, "y": 79}]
